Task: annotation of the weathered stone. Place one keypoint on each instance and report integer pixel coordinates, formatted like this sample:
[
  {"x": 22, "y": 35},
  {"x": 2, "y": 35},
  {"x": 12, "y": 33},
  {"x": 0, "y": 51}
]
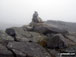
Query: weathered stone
[
  {"x": 36, "y": 18},
  {"x": 4, "y": 52},
  {"x": 11, "y": 32},
  {"x": 57, "y": 42},
  {"x": 24, "y": 35},
  {"x": 29, "y": 48},
  {"x": 20, "y": 33},
  {"x": 4, "y": 38},
  {"x": 45, "y": 29},
  {"x": 27, "y": 28}
]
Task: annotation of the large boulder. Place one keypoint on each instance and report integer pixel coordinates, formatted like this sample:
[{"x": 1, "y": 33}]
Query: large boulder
[
  {"x": 5, "y": 38},
  {"x": 45, "y": 29},
  {"x": 4, "y": 52},
  {"x": 30, "y": 49},
  {"x": 58, "y": 41}
]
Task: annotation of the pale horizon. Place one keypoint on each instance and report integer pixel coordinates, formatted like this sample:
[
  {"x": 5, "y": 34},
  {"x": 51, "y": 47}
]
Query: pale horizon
[{"x": 21, "y": 11}]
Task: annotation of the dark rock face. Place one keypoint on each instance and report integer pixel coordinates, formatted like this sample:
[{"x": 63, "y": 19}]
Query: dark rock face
[{"x": 27, "y": 48}]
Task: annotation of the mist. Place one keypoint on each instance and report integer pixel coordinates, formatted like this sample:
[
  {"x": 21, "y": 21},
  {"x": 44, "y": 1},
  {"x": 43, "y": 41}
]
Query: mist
[{"x": 19, "y": 12}]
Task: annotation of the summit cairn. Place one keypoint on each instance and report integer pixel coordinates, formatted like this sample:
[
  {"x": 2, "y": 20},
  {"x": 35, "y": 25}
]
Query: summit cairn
[{"x": 36, "y": 18}]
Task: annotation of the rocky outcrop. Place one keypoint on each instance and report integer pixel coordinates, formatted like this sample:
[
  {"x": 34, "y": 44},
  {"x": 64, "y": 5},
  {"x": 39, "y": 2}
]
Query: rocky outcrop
[
  {"x": 37, "y": 39},
  {"x": 24, "y": 35}
]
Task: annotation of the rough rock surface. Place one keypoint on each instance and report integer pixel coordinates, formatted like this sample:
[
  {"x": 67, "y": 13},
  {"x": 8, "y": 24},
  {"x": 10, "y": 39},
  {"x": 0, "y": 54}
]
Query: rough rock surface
[
  {"x": 36, "y": 40},
  {"x": 59, "y": 41},
  {"x": 4, "y": 52},
  {"x": 28, "y": 48},
  {"x": 24, "y": 35},
  {"x": 45, "y": 29},
  {"x": 5, "y": 36}
]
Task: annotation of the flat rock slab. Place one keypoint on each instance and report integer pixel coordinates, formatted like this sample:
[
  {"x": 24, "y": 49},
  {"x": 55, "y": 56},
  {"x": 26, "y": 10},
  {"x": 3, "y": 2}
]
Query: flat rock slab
[
  {"x": 30, "y": 49},
  {"x": 45, "y": 29}
]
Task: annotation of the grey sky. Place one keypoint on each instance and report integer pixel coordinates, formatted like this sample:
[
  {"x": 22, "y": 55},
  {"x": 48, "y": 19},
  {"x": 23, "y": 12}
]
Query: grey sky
[{"x": 20, "y": 11}]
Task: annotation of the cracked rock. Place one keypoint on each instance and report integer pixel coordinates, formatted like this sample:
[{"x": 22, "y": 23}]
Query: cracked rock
[
  {"x": 27, "y": 48},
  {"x": 4, "y": 52}
]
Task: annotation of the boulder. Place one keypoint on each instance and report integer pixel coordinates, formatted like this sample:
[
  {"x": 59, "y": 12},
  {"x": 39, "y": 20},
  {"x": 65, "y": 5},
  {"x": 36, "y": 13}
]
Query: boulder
[
  {"x": 30, "y": 49},
  {"x": 11, "y": 32},
  {"x": 18, "y": 33},
  {"x": 36, "y": 18},
  {"x": 45, "y": 29},
  {"x": 58, "y": 41},
  {"x": 5, "y": 38},
  {"x": 4, "y": 52}
]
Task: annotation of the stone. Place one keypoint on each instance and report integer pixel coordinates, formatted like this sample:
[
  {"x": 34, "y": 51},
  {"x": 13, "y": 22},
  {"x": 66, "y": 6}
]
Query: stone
[
  {"x": 5, "y": 38},
  {"x": 57, "y": 42},
  {"x": 24, "y": 35},
  {"x": 18, "y": 33},
  {"x": 28, "y": 48},
  {"x": 4, "y": 52},
  {"x": 11, "y": 32},
  {"x": 46, "y": 29},
  {"x": 36, "y": 18}
]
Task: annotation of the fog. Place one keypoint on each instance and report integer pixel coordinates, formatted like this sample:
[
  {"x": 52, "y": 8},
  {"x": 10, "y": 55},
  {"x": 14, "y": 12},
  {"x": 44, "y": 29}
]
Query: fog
[{"x": 20, "y": 11}]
